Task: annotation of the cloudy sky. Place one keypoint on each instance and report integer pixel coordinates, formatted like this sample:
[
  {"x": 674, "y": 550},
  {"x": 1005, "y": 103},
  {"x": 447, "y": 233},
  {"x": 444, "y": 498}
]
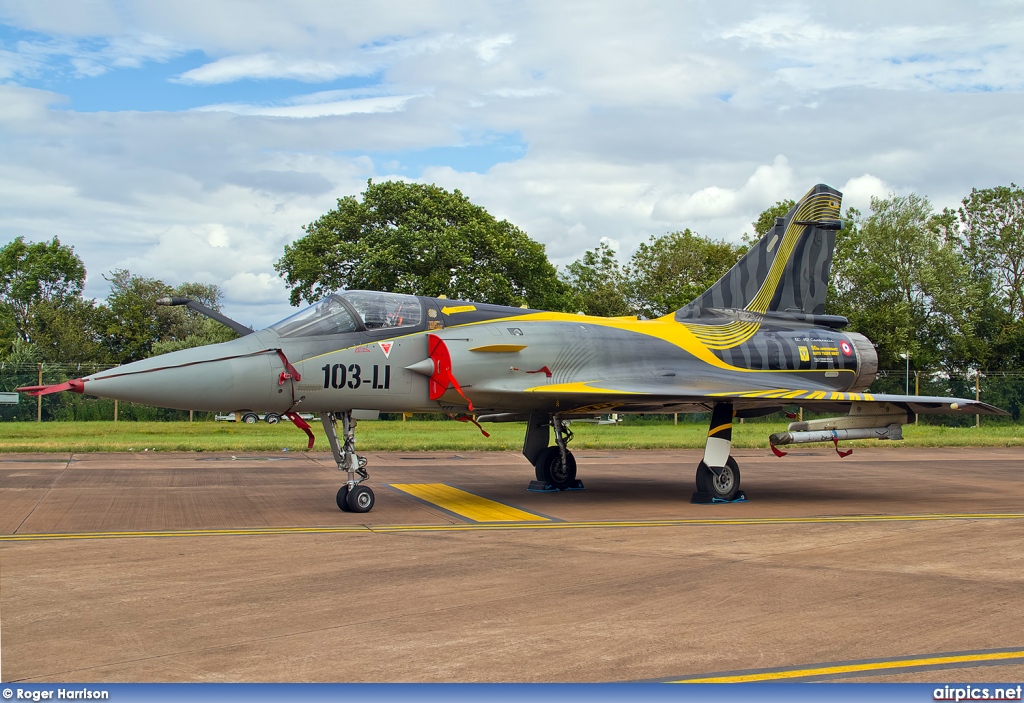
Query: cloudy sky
[{"x": 191, "y": 140}]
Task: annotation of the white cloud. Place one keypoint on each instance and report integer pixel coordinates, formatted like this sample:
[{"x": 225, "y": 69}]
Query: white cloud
[
  {"x": 390, "y": 103},
  {"x": 267, "y": 65},
  {"x": 858, "y": 191}
]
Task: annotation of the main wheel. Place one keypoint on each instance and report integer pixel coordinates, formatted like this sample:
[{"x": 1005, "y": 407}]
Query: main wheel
[
  {"x": 343, "y": 498},
  {"x": 360, "y": 499},
  {"x": 551, "y": 470},
  {"x": 725, "y": 486},
  {"x": 250, "y": 418},
  {"x": 272, "y": 418}
]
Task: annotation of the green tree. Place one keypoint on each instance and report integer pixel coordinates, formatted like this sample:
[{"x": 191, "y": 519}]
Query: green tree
[
  {"x": 69, "y": 332},
  {"x": 993, "y": 222},
  {"x": 136, "y": 327},
  {"x": 419, "y": 239},
  {"x": 34, "y": 273},
  {"x": 597, "y": 283},
  {"x": 900, "y": 278},
  {"x": 667, "y": 272},
  {"x": 133, "y": 320}
]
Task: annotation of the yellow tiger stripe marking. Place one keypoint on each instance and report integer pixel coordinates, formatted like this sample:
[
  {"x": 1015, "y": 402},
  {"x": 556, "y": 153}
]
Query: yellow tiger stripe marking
[
  {"x": 938, "y": 661},
  {"x": 794, "y": 394},
  {"x": 715, "y": 430},
  {"x": 468, "y": 505},
  {"x": 550, "y": 525}
]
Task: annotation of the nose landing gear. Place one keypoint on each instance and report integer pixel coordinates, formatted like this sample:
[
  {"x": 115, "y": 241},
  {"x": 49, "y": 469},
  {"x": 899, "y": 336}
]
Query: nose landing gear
[{"x": 352, "y": 497}]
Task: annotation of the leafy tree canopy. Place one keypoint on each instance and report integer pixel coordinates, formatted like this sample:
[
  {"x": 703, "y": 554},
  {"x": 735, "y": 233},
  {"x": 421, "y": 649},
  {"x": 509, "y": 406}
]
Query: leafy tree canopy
[
  {"x": 136, "y": 327},
  {"x": 668, "y": 272},
  {"x": 33, "y": 273},
  {"x": 598, "y": 283},
  {"x": 420, "y": 239}
]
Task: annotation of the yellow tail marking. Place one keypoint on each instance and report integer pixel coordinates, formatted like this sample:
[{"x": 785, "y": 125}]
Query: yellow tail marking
[{"x": 468, "y": 505}]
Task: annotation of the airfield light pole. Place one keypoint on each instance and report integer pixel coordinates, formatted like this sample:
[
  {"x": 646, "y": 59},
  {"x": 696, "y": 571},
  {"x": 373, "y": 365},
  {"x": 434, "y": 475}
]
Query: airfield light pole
[
  {"x": 917, "y": 391},
  {"x": 907, "y": 357}
]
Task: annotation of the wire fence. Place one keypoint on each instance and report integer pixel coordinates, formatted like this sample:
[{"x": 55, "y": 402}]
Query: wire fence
[{"x": 1004, "y": 390}]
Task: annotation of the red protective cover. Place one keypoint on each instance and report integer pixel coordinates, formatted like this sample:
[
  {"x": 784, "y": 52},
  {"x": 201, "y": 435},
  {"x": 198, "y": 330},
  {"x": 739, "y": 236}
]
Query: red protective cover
[
  {"x": 442, "y": 377},
  {"x": 76, "y": 385}
]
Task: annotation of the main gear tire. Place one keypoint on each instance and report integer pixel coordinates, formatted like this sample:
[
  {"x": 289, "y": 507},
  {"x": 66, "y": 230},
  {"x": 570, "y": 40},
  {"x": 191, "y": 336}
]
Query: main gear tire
[
  {"x": 551, "y": 470},
  {"x": 725, "y": 485}
]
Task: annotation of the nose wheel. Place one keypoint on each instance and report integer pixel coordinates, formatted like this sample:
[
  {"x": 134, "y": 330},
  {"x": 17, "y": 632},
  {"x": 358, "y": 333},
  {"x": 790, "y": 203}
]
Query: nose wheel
[
  {"x": 353, "y": 497},
  {"x": 355, "y": 500}
]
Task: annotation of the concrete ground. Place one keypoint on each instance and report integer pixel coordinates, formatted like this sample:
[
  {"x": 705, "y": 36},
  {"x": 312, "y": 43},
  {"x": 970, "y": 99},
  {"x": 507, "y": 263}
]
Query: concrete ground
[{"x": 416, "y": 593}]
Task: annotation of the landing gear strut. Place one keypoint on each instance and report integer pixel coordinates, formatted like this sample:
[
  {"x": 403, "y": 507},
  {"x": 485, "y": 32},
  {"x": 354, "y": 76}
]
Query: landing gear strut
[
  {"x": 554, "y": 467},
  {"x": 352, "y": 497},
  {"x": 718, "y": 476}
]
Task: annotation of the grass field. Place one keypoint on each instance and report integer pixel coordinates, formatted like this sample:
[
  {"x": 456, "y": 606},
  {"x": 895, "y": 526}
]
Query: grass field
[{"x": 431, "y": 435}]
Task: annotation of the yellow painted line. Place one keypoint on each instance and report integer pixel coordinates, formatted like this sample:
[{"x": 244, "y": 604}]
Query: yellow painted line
[
  {"x": 840, "y": 669},
  {"x": 49, "y": 536},
  {"x": 549, "y": 525},
  {"x": 468, "y": 505},
  {"x": 715, "y": 430}
]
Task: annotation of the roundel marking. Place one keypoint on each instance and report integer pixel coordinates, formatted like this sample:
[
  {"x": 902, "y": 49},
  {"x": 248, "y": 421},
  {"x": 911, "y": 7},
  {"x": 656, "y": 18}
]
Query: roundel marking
[{"x": 845, "y": 346}]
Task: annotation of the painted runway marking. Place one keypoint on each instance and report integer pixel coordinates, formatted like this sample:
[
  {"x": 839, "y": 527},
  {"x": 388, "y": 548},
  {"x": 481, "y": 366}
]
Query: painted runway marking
[
  {"x": 551, "y": 525},
  {"x": 861, "y": 668},
  {"x": 465, "y": 504}
]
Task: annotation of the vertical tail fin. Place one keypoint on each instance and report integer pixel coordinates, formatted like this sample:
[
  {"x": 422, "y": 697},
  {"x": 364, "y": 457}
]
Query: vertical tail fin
[{"x": 787, "y": 270}]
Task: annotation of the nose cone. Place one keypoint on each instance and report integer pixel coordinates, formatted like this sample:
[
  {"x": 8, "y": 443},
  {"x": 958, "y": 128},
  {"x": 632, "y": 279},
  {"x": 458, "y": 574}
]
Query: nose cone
[{"x": 228, "y": 376}]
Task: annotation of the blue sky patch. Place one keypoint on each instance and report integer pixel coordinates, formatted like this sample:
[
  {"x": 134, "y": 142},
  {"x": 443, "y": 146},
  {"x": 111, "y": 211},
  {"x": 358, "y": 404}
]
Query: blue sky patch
[
  {"x": 477, "y": 156},
  {"x": 148, "y": 87}
]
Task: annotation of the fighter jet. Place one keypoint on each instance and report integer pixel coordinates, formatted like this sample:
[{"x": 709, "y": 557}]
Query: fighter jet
[{"x": 756, "y": 342}]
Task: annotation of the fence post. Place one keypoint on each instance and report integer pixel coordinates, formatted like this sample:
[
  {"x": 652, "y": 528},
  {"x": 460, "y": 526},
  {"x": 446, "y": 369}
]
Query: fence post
[
  {"x": 115, "y": 409},
  {"x": 39, "y": 398}
]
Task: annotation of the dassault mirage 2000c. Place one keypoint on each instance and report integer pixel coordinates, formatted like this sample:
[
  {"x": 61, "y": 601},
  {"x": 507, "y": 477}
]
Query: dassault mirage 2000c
[{"x": 756, "y": 342}]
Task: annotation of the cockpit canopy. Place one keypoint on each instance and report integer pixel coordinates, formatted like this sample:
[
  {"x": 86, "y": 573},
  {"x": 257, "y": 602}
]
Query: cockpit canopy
[{"x": 352, "y": 311}]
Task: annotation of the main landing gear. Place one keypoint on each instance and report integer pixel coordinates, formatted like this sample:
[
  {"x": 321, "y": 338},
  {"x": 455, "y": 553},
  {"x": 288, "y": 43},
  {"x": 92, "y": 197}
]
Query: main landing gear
[
  {"x": 353, "y": 497},
  {"x": 718, "y": 476},
  {"x": 555, "y": 467}
]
